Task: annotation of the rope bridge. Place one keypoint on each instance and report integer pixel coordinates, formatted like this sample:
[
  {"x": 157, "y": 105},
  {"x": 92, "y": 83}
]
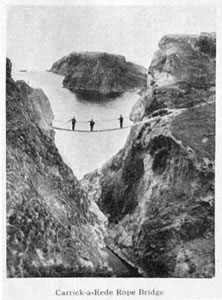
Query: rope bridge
[
  {"x": 85, "y": 122},
  {"x": 101, "y": 130}
]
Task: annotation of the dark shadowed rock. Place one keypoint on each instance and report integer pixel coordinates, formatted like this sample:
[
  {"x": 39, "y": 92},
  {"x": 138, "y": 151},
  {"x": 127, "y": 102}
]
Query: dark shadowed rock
[
  {"x": 158, "y": 191},
  {"x": 8, "y": 68},
  {"x": 96, "y": 75}
]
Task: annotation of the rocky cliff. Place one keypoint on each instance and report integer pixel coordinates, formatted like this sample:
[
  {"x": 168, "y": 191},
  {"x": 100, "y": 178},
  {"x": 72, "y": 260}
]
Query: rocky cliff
[
  {"x": 96, "y": 75},
  {"x": 158, "y": 191},
  {"x": 53, "y": 229}
]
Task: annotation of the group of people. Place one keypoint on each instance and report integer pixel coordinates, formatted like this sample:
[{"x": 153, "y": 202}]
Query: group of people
[{"x": 92, "y": 123}]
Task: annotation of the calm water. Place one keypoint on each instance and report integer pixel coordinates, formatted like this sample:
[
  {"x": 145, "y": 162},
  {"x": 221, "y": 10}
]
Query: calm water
[{"x": 83, "y": 152}]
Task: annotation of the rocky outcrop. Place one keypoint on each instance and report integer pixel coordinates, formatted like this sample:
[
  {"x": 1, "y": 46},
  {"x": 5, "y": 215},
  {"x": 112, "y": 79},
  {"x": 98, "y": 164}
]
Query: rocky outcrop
[
  {"x": 158, "y": 191},
  {"x": 181, "y": 74},
  {"x": 53, "y": 229},
  {"x": 97, "y": 74}
]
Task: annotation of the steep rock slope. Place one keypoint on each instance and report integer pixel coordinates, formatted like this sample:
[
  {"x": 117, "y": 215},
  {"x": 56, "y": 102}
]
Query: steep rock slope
[
  {"x": 99, "y": 74},
  {"x": 158, "y": 191},
  {"x": 53, "y": 229}
]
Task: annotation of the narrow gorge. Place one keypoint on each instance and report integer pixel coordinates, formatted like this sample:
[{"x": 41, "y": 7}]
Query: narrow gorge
[{"x": 148, "y": 211}]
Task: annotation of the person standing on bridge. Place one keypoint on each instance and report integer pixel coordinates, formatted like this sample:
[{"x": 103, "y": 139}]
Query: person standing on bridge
[
  {"x": 121, "y": 121},
  {"x": 73, "y": 123},
  {"x": 91, "y": 123}
]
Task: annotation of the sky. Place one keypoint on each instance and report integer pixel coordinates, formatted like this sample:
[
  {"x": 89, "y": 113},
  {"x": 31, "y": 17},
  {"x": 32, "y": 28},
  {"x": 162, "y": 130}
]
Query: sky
[{"x": 37, "y": 36}]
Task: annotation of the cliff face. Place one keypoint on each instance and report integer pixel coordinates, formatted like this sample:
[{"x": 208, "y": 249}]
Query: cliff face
[
  {"x": 99, "y": 74},
  {"x": 53, "y": 229},
  {"x": 158, "y": 191}
]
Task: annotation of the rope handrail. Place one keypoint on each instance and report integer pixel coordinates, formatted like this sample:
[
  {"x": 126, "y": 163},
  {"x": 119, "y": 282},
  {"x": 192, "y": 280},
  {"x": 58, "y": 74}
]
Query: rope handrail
[{"x": 84, "y": 122}]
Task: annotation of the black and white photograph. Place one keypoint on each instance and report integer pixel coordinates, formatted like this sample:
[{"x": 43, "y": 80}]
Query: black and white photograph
[{"x": 110, "y": 145}]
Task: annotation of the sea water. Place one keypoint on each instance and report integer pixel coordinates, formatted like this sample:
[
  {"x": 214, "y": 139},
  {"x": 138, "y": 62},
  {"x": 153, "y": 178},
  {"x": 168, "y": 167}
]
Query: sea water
[{"x": 83, "y": 151}]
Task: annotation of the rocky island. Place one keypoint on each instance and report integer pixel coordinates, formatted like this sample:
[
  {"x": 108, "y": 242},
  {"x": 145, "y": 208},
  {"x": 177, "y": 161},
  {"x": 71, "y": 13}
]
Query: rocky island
[
  {"x": 158, "y": 191},
  {"x": 98, "y": 75}
]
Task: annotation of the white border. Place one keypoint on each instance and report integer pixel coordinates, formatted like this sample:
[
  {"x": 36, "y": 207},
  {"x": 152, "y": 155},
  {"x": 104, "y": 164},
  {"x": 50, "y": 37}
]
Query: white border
[{"x": 22, "y": 289}]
